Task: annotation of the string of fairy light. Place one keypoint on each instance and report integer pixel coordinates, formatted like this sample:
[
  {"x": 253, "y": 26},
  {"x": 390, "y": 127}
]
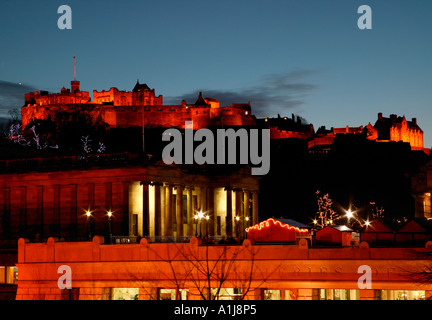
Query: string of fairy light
[{"x": 349, "y": 215}]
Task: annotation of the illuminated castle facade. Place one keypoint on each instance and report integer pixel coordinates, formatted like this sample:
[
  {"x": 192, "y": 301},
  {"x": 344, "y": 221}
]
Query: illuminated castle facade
[
  {"x": 393, "y": 128},
  {"x": 397, "y": 128},
  {"x": 124, "y": 109}
]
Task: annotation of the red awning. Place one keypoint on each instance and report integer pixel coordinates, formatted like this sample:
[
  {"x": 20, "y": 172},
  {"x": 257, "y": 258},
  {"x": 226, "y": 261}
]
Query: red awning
[{"x": 272, "y": 230}]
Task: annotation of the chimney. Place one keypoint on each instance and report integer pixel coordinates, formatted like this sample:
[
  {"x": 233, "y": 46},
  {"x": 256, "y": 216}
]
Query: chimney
[
  {"x": 393, "y": 117},
  {"x": 380, "y": 116},
  {"x": 414, "y": 121}
]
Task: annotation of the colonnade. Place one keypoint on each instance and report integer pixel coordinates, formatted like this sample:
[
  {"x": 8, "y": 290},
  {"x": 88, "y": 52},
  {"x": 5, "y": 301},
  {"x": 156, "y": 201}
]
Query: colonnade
[{"x": 172, "y": 209}]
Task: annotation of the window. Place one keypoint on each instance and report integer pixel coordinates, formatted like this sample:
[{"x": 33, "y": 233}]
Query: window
[
  {"x": 167, "y": 294},
  {"x": 2, "y": 274},
  {"x": 272, "y": 295},
  {"x": 339, "y": 294},
  {"x": 8, "y": 274},
  {"x": 170, "y": 294},
  {"x": 280, "y": 294},
  {"x": 402, "y": 295},
  {"x": 124, "y": 293},
  {"x": 227, "y": 293}
]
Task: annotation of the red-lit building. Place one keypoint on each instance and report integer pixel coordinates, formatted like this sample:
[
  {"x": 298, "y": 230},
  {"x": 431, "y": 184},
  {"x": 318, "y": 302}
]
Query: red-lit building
[
  {"x": 265, "y": 271},
  {"x": 393, "y": 128},
  {"x": 124, "y": 109}
]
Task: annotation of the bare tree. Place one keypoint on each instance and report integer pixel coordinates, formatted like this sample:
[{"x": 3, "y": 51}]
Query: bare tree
[{"x": 208, "y": 269}]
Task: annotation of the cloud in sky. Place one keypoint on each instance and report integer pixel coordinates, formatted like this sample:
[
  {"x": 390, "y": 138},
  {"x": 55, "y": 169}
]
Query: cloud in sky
[
  {"x": 275, "y": 93},
  {"x": 12, "y": 96}
]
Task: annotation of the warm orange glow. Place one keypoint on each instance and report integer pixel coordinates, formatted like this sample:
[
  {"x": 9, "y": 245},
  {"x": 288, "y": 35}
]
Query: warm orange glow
[{"x": 266, "y": 224}]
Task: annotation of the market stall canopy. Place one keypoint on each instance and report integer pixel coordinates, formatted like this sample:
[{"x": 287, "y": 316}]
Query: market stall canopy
[{"x": 277, "y": 230}]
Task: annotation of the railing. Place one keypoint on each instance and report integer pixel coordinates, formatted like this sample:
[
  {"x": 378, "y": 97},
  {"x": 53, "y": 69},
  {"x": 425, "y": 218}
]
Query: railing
[
  {"x": 59, "y": 162},
  {"x": 210, "y": 240}
]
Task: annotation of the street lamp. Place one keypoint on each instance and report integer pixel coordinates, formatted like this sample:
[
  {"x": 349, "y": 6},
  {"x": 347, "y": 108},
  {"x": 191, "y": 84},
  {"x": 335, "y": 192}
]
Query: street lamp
[
  {"x": 109, "y": 214},
  {"x": 88, "y": 214},
  {"x": 349, "y": 214},
  {"x": 237, "y": 218},
  {"x": 196, "y": 225},
  {"x": 200, "y": 216}
]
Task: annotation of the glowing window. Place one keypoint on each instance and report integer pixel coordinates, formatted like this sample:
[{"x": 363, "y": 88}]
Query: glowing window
[{"x": 124, "y": 293}]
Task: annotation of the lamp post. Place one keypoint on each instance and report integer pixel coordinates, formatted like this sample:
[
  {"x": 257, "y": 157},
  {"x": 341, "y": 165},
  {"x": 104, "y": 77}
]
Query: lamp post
[
  {"x": 245, "y": 227},
  {"x": 109, "y": 214},
  {"x": 237, "y": 218},
  {"x": 349, "y": 215},
  {"x": 88, "y": 214},
  {"x": 196, "y": 225},
  {"x": 200, "y": 216},
  {"x": 207, "y": 225}
]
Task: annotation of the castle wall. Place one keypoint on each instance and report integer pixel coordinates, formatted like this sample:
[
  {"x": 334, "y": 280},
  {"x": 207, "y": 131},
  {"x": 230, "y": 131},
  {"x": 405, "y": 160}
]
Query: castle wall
[{"x": 155, "y": 116}]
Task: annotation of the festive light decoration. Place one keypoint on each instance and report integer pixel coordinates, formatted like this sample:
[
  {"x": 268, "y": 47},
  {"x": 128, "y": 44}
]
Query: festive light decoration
[{"x": 266, "y": 224}]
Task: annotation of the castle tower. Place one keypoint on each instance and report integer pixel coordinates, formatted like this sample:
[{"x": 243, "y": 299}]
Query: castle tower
[{"x": 75, "y": 86}]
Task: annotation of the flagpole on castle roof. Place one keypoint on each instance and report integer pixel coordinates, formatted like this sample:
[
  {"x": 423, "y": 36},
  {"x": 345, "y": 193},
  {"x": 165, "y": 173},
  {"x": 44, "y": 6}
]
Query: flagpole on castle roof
[{"x": 74, "y": 69}]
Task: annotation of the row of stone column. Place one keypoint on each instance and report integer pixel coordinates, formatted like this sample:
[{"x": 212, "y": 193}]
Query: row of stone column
[{"x": 205, "y": 203}]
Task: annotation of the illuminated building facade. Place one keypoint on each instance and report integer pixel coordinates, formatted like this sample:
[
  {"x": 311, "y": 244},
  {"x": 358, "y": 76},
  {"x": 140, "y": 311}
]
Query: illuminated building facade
[
  {"x": 75, "y": 198},
  {"x": 159, "y": 271},
  {"x": 143, "y": 200},
  {"x": 394, "y": 128},
  {"x": 397, "y": 128}
]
